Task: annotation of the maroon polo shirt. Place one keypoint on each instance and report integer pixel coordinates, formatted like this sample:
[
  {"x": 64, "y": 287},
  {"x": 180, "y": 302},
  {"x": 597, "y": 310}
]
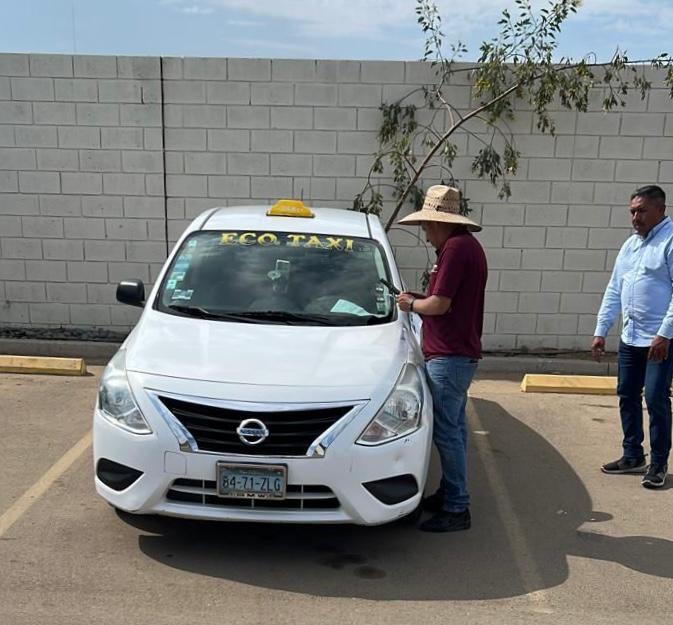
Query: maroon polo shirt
[{"x": 460, "y": 274}]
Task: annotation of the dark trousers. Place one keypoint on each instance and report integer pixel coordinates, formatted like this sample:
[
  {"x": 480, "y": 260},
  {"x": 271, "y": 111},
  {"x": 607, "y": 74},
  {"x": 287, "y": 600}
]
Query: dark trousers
[{"x": 636, "y": 372}]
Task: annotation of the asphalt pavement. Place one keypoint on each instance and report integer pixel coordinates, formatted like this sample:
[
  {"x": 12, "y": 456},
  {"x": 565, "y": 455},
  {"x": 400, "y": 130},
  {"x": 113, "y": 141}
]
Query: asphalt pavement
[{"x": 553, "y": 540}]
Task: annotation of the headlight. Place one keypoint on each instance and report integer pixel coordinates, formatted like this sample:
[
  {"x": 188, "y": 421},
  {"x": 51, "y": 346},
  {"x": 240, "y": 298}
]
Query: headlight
[
  {"x": 401, "y": 414},
  {"x": 115, "y": 399}
]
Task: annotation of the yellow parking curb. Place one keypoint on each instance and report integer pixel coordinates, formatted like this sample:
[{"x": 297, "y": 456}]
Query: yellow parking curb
[
  {"x": 577, "y": 384},
  {"x": 42, "y": 365}
]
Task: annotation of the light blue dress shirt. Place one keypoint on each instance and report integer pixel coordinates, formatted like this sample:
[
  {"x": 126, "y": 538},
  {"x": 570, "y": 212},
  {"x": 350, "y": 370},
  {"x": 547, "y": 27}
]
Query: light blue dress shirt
[{"x": 641, "y": 287}]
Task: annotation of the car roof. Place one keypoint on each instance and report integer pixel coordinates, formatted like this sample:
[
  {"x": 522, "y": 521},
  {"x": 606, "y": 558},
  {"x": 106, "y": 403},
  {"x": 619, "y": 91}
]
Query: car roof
[{"x": 326, "y": 221}]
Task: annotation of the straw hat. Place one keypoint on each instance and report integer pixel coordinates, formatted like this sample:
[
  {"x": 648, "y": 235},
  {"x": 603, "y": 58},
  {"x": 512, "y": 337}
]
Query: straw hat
[{"x": 441, "y": 203}]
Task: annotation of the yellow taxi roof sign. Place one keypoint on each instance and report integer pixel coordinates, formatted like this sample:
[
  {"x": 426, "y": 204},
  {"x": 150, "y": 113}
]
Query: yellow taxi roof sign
[{"x": 290, "y": 208}]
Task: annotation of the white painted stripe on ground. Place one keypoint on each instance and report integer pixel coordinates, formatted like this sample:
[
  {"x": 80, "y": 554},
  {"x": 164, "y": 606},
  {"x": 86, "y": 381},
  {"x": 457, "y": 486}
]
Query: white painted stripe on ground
[
  {"x": 40, "y": 487},
  {"x": 523, "y": 558}
]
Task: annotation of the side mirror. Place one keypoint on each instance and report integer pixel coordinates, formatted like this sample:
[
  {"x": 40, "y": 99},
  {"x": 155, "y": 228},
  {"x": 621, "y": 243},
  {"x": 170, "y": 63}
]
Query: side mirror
[{"x": 131, "y": 292}]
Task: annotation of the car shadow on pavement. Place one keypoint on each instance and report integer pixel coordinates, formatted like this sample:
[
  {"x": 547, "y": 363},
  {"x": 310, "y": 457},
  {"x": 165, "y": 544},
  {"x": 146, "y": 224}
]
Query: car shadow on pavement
[{"x": 548, "y": 501}]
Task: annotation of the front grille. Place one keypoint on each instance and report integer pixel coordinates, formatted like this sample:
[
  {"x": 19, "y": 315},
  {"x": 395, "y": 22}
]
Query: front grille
[
  {"x": 298, "y": 497},
  {"x": 290, "y": 432}
]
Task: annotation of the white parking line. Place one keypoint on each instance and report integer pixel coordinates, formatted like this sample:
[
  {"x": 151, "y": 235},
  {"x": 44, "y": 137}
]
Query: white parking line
[
  {"x": 38, "y": 489},
  {"x": 523, "y": 558}
]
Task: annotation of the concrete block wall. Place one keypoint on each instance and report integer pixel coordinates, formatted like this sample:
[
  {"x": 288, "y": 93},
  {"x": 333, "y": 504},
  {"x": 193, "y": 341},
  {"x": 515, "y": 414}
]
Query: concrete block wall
[{"x": 88, "y": 193}]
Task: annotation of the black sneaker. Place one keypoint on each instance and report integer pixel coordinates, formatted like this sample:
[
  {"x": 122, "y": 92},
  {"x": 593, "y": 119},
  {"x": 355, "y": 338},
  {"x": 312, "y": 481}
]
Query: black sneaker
[
  {"x": 655, "y": 476},
  {"x": 625, "y": 465},
  {"x": 434, "y": 502},
  {"x": 447, "y": 522}
]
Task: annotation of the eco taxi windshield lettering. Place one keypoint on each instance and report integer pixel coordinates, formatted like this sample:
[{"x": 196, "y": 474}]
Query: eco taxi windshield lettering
[{"x": 267, "y": 239}]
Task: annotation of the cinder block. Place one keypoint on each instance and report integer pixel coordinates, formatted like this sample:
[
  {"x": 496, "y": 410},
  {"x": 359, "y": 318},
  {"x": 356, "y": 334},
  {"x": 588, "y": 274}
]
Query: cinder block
[
  {"x": 658, "y": 148},
  {"x": 175, "y": 208},
  {"x": 178, "y": 139},
  {"x": 318, "y": 189},
  {"x": 499, "y": 343},
  {"x": 18, "y": 204},
  {"x": 143, "y": 207},
  {"x": 248, "y": 117},
  {"x": 598, "y": 124},
  {"x": 334, "y": 165},
  {"x": 580, "y": 303},
  {"x": 248, "y": 164},
  {"x": 337, "y": 71},
  {"x": 21, "y": 248},
  {"x": 561, "y": 281},
  {"x": 127, "y": 271},
  {"x": 542, "y": 259},
  {"x": 229, "y": 140},
  {"x": 357, "y": 142},
  {"x": 204, "y": 116},
  {"x": 588, "y": 260},
  {"x": 566, "y": 238},
  {"x": 572, "y": 192},
  {"x": 271, "y": 187},
  {"x": 175, "y": 163},
  {"x": 5, "y": 89},
  {"x": 273, "y": 94},
  {"x": 608, "y": 238},
  {"x": 99, "y": 160},
  {"x": 292, "y": 118},
  {"x": 638, "y": 172},
  {"x": 51, "y": 65},
  {"x": 205, "y": 69},
  {"x": 420, "y": 73},
  {"x": 9, "y": 182},
  {"x": 293, "y": 70},
  {"x": 491, "y": 236},
  {"x": 32, "y": 89},
  {"x": 382, "y": 72},
  {"x": 593, "y": 170},
  {"x": 39, "y": 182},
  {"x": 173, "y": 115},
  {"x": 142, "y": 67},
  {"x": 25, "y": 292},
  {"x": 521, "y": 281},
  {"x": 515, "y": 323},
  {"x": 360, "y": 95},
  {"x": 13, "y": 159},
  {"x": 539, "y": 302},
  {"x": 7, "y": 136},
  {"x": 595, "y": 282},
  {"x": 66, "y": 293},
  {"x": 549, "y": 169},
  {"x": 90, "y": 314},
  {"x": 150, "y": 162},
  {"x": 503, "y": 259},
  {"x": 13, "y": 64},
  {"x": 289, "y": 165},
  {"x": 154, "y": 184},
  {"x": 557, "y": 324},
  {"x": 97, "y": 114},
  {"x": 502, "y": 215},
  {"x": 49, "y": 314},
  {"x": 271, "y": 140},
  {"x": 185, "y": 91},
  {"x": 621, "y": 147},
  {"x": 119, "y": 91},
  {"x": 57, "y": 113},
  {"x": 102, "y": 206},
  {"x": 63, "y": 249},
  {"x": 576, "y": 146},
  {"x": 315, "y": 141},
  {"x": 15, "y": 113},
  {"x": 78, "y": 137},
  {"x": 156, "y": 229},
  {"x": 36, "y": 136},
  {"x": 122, "y": 138},
  {"x": 140, "y": 115},
  {"x": 659, "y": 101},
  {"x": 42, "y": 227},
  {"x": 79, "y": 183},
  {"x": 249, "y": 69},
  {"x": 229, "y": 186},
  {"x": 228, "y": 92},
  {"x": 10, "y": 225},
  {"x": 126, "y": 229},
  {"x": 45, "y": 271},
  {"x": 370, "y": 119},
  {"x": 61, "y": 205},
  {"x": 546, "y": 215},
  {"x": 100, "y": 293},
  {"x": 530, "y": 192},
  {"x": 76, "y": 90},
  {"x": 95, "y": 66},
  {"x": 205, "y": 163},
  {"x": 643, "y": 124},
  {"x": 145, "y": 251},
  {"x": 124, "y": 184},
  {"x": 57, "y": 160},
  {"x": 315, "y": 95},
  {"x": 104, "y": 250},
  {"x": 87, "y": 272},
  {"x": 524, "y": 237},
  {"x": 186, "y": 186},
  {"x": 84, "y": 228}
]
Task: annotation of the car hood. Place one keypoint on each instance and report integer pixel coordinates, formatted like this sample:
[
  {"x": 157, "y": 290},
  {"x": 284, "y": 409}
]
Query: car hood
[{"x": 267, "y": 355}]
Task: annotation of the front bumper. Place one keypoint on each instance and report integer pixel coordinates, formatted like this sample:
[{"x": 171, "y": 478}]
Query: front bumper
[{"x": 328, "y": 489}]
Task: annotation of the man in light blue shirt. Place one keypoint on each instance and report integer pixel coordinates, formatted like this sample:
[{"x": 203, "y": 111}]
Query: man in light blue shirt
[{"x": 641, "y": 287}]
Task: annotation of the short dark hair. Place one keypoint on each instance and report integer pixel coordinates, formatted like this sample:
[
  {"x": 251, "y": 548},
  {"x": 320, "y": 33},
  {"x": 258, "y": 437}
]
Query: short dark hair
[{"x": 650, "y": 192}]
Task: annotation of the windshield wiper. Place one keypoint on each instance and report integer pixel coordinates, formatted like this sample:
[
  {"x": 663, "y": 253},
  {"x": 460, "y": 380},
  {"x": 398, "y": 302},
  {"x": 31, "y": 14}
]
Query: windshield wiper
[
  {"x": 202, "y": 313},
  {"x": 290, "y": 318}
]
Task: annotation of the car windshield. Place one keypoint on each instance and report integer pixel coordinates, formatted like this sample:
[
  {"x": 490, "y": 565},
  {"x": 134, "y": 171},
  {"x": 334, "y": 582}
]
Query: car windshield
[{"x": 278, "y": 277}]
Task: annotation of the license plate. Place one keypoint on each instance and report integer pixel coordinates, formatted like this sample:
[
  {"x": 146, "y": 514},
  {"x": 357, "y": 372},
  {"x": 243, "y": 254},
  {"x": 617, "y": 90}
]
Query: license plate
[{"x": 252, "y": 481}]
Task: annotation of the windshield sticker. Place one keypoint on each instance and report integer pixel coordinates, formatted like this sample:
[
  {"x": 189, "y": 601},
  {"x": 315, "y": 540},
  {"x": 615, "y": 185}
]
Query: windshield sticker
[
  {"x": 266, "y": 239},
  {"x": 187, "y": 294},
  {"x": 177, "y": 276},
  {"x": 192, "y": 243}
]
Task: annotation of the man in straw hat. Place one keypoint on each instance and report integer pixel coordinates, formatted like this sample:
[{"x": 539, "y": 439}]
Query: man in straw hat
[{"x": 453, "y": 312}]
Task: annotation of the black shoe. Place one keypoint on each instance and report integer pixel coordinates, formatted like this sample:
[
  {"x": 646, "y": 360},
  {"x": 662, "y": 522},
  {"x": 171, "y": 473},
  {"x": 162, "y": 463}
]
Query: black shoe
[
  {"x": 447, "y": 522},
  {"x": 655, "y": 476},
  {"x": 434, "y": 502},
  {"x": 625, "y": 465}
]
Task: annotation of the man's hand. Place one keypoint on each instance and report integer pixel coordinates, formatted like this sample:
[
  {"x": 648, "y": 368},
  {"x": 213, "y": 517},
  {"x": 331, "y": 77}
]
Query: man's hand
[
  {"x": 598, "y": 348},
  {"x": 404, "y": 301},
  {"x": 658, "y": 349}
]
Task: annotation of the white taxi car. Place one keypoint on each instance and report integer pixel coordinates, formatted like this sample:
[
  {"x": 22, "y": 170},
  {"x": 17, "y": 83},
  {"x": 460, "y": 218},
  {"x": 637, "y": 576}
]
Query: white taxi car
[{"x": 270, "y": 377}]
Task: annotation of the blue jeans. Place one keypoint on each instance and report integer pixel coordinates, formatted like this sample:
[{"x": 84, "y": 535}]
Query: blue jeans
[
  {"x": 636, "y": 372},
  {"x": 449, "y": 377}
]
